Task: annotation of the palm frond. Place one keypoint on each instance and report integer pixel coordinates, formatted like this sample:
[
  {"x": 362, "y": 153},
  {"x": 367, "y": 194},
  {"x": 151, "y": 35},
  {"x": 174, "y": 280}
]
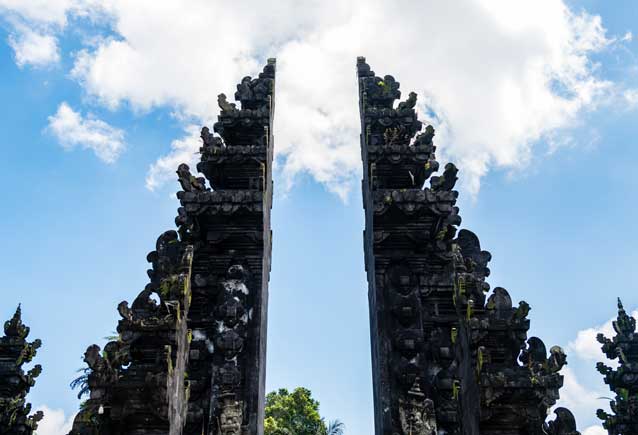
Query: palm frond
[
  {"x": 336, "y": 427},
  {"x": 81, "y": 382},
  {"x": 115, "y": 336}
]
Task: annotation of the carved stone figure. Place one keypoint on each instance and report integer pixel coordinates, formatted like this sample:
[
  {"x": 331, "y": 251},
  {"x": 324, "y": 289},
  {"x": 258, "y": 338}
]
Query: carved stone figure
[
  {"x": 564, "y": 424},
  {"x": 417, "y": 413},
  {"x": 230, "y": 419}
]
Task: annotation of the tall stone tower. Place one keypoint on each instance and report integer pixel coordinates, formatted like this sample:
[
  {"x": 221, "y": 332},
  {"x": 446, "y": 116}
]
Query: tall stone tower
[
  {"x": 191, "y": 353},
  {"x": 447, "y": 356}
]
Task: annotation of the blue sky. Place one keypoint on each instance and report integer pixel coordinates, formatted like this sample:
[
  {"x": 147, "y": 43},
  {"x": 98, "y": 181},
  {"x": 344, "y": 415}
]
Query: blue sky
[{"x": 549, "y": 190}]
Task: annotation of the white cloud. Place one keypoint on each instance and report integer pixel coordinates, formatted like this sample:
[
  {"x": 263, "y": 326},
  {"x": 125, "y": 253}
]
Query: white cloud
[
  {"x": 595, "y": 430},
  {"x": 54, "y": 422},
  {"x": 35, "y": 24},
  {"x": 586, "y": 347},
  {"x": 72, "y": 130},
  {"x": 631, "y": 97},
  {"x": 33, "y": 48},
  {"x": 500, "y": 75},
  {"x": 52, "y": 12},
  {"x": 577, "y": 398}
]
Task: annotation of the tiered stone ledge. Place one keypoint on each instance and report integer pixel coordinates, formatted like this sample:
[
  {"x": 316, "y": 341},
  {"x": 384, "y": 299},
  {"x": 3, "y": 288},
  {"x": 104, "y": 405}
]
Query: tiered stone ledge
[
  {"x": 411, "y": 201},
  {"x": 222, "y": 202}
]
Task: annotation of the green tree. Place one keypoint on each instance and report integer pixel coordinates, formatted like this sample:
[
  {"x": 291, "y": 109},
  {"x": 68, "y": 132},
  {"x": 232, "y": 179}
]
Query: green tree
[{"x": 296, "y": 413}]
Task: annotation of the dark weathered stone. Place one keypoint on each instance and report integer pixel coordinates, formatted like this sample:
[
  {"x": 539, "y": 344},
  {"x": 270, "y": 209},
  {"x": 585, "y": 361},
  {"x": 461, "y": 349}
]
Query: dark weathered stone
[
  {"x": 194, "y": 362},
  {"x": 15, "y": 351},
  {"x": 436, "y": 339},
  {"x": 622, "y": 381}
]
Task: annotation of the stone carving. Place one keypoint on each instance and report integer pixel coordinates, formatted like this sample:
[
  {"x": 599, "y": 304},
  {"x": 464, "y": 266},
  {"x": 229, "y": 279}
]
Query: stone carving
[
  {"x": 564, "y": 424},
  {"x": 417, "y": 413},
  {"x": 190, "y": 355},
  {"x": 188, "y": 181},
  {"x": 447, "y": 180},
  {"x": 230, "y": 419},
  {"x": 224, "y": 104},
  {"x": 475, "y": 259},
  {"x": 15, "y": 351},
  {"x": 231, "y": 313},
  {"x": 436, "y": 330},
  {"x": 139, "y": 385},
  {"x": 557, "y": 359}
]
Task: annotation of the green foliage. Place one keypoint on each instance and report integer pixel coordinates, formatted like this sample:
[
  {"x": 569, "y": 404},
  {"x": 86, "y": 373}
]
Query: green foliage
[{"x": 296, "y": 413}]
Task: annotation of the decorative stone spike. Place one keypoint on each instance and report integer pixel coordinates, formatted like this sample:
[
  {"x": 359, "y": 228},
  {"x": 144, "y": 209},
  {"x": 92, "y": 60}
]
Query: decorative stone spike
[
  {"x": 15, "y": 351},
  {"x": 622, "y": 381},
  {"x": 434, "y": 334}
]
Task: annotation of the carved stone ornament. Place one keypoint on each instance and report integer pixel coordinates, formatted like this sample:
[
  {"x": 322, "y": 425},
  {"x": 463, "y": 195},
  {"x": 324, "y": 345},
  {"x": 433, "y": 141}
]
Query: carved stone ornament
[
  {"x": 417, "y": 413},
  {"x": 231, "y": 417}
]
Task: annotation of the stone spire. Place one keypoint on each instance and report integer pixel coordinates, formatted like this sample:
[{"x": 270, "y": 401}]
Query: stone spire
[
  {"x": 623, "y": 380},
  {"x": 433, "y": 327},
  {"x": 15, "y": 351}
]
